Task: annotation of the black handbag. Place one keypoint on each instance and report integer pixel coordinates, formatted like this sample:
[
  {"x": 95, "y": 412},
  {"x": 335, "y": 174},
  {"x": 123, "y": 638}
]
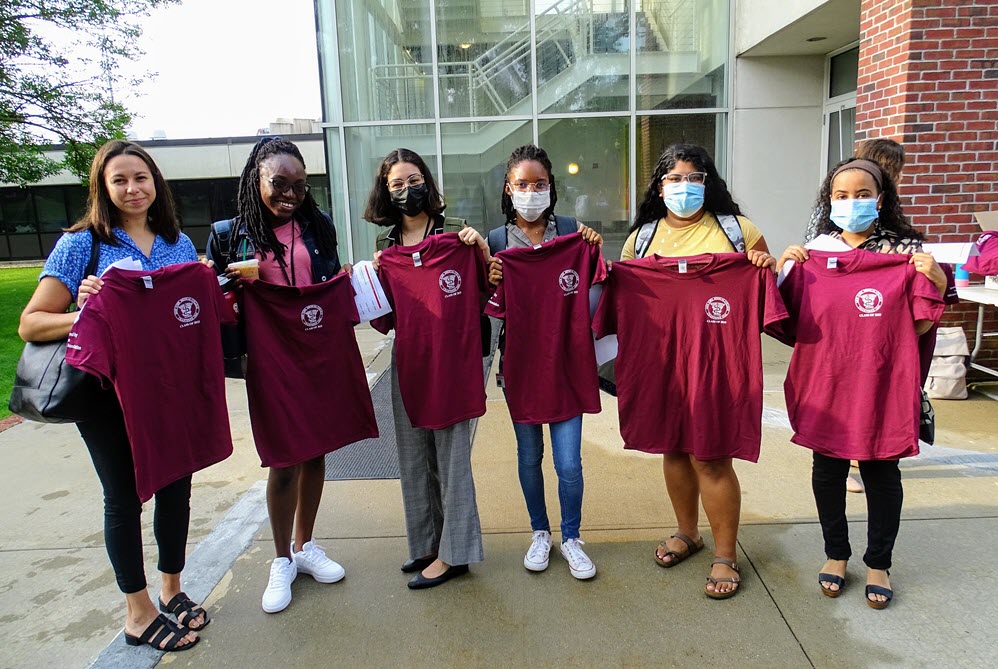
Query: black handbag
[{"x": 48, "y": 390}]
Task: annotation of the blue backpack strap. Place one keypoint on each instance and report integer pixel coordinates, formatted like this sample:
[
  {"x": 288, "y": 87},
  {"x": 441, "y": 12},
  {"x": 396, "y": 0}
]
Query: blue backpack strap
[
  {"x": 497, "y": 239},
  {"x": 566, "y": 225},
  {"x": 91, "y": 268},
  {"x": 733, "y": 231},
  {"x": 645, "y": 234}
]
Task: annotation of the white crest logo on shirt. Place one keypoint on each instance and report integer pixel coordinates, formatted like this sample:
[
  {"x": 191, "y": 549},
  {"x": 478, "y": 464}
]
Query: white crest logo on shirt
[
  {"x": 569, "y": 280},
  {"x": 717, "y": 309},
  {"x": 869, "y": 300},
  {"x": 311, "y": 316},
  {"x": 186, "y": 309},
  {"x": 450, "y": 281}
]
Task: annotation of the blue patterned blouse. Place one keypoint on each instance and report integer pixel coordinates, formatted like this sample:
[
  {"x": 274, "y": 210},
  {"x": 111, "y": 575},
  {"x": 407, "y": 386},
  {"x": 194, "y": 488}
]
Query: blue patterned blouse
[{"x": 69, "y": 258}]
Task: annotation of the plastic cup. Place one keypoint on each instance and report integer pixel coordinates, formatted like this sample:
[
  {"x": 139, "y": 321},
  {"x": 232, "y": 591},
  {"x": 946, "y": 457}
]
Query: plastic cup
[{"x": 248, "y": 269}]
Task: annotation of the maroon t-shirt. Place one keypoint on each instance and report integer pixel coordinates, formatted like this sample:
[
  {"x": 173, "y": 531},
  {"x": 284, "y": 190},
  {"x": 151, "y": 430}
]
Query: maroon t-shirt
[
  {"x": 436, "y": 289},
  {"x": 155, "y": 336},
  {"x": 305, "y": 378},
  {"x": 689, "y": 364},
  {"x": 549, "y": 363},
  {"x": 852, "y": 388}
]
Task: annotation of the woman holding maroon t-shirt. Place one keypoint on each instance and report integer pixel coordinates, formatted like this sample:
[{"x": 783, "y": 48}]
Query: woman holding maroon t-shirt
[
  {"x": 438, "y": 490},
  {"x": 130, "y": 215},
  {"x": 528, "y": 200},
  {"x": 281, "y": 226},
  {"x": 858, "y": 204},
  {"x": 687, "y": 210}
]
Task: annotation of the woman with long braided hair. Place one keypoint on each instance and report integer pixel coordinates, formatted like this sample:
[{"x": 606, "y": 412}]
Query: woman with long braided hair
[{"x": 280, "y": 225}]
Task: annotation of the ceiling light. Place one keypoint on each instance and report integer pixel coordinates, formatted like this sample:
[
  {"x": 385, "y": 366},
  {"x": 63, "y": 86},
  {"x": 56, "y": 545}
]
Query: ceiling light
[
  {"x": 465, "y": 45},
  {"x": 573, "y": 168}
]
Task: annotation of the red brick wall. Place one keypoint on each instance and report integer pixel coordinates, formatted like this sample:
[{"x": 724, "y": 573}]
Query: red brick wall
[{"x": 928, "y": 78}]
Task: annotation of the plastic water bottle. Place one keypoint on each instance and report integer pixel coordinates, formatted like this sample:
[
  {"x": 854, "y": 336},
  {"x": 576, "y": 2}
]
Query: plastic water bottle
[{"x": 962, "y": 277}]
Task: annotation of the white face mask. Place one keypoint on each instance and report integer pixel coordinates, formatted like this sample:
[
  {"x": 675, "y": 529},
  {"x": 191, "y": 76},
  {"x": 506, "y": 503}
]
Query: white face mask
[{"x": 531, "y": 205}]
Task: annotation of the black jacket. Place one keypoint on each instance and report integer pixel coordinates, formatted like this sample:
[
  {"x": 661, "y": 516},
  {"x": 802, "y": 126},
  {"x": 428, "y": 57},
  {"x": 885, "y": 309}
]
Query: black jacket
[{"x": 229, "y": 242}]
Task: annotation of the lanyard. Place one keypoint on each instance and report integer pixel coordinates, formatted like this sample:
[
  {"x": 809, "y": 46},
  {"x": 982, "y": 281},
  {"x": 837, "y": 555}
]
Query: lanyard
[{"x": 291, "y": 254}]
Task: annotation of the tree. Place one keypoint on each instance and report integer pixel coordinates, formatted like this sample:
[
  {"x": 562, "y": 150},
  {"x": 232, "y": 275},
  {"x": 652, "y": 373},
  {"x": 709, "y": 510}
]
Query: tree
[{"x": 59, "y": 65}]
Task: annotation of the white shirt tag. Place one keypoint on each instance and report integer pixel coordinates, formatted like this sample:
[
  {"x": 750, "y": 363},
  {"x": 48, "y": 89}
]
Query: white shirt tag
[
  {"x": 832, "y": 263},
  {"x": 147, "y": 280},
  {"x": 682, "y": 266},
  {"x": 537, "y": 246},
  {"x": 417, "y": 260}
]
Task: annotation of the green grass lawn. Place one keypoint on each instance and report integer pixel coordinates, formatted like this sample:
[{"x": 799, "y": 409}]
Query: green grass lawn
[{"x": 16, "y": 286}]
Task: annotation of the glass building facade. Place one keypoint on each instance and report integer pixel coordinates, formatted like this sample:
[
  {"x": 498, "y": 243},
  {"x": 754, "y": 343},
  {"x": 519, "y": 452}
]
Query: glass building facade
[{"x": 602, "y": 85}]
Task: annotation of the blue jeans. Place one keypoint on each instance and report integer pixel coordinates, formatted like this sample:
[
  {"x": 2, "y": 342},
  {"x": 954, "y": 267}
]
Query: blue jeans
[{"x": 566, "y": 445}]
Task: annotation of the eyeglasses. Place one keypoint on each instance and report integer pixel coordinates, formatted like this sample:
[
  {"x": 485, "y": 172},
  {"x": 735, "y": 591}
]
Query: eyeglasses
[
  {"x": 525, "y": 186},
  {"x": 282, "y": 186},
  {"x": 399, "y": 184},
  {"x": 692, "y": 177}
]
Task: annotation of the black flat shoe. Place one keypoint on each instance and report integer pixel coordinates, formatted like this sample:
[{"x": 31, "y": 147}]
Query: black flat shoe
[
  {"x": 420, "y": 582},
  {"x": 419, "y": 564}
]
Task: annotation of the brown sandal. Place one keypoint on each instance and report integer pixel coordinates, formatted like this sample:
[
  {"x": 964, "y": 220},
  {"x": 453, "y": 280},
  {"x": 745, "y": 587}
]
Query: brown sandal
[
  {"x": 692, "y": 548},
  {"x": 714, "y": 594}
]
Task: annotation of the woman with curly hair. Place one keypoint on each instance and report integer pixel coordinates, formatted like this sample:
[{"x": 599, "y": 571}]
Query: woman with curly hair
[
  {"x": 687, "y": 210},
  {"x": 858, "y": 204}
]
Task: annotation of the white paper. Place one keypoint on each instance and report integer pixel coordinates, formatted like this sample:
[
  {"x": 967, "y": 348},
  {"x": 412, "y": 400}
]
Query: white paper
[
  {"x": 606, "y": 349},
  {"x": 370, "y": 296},
  {"x": 952, "y": 253},
  {"x": 819, "y": 243},
  {"x": 124, "y": 263}
]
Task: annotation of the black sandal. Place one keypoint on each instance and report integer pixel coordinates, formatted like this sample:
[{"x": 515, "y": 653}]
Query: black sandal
[
  {"x": 162, "y": 629},
  {"x": 182, "y": 605}
]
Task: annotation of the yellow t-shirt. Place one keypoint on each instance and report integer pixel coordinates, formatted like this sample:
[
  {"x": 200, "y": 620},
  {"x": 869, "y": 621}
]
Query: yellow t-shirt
[{"x": 704, "y": 236}]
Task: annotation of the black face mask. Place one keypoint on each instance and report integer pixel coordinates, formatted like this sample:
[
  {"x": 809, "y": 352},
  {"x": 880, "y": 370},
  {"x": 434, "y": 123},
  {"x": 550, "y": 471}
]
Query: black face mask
[{"x": 411, "y": 200}]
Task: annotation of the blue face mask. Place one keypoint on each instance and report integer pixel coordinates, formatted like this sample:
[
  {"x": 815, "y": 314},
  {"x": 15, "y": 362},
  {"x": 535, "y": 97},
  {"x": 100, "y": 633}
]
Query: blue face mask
[
  {"x": 683, "y": 199},
  {"x": 854, "y": 215}
]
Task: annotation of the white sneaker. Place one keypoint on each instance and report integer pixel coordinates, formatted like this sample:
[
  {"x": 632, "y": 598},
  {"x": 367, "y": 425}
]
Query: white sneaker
[
  {"x": 312, "y": 560},
  {"x": 578, "y": 562},
  {"x": 277, "y": 596},
  {"x": 536, "y": 558}
]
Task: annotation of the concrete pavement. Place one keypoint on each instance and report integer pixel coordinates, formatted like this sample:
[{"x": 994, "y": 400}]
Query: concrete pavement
[{"x": 59, "y": 605}]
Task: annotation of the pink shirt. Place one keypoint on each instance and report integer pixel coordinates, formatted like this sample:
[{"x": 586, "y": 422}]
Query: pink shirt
[
  {"x": 852, "y": 390},
  {"x": 288, "y": 234},
  {"x": 305, "y": 377},
  {"x": 549, "y": 364},
  {"x": 689, "y": 365},
  {"x": 155, "y": 336},
  {"x": 436, "y": 290}
]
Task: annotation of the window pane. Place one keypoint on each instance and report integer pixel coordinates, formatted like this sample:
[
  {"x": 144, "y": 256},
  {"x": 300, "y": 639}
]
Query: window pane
[
  {"x": 843, "y": 73},
  {"x": 583, "y": 55},
  {"x": 834, "y": 141},
  {"x": 366, "y": 148},
  {"x": 682, "y": 53},
  {"x": 16, "y": 211},
  {"x": 193, "y": 200},
  {"x": 50, "y": 206},
  {"x": 24, "y": 246},
  {"x": 483, "y": 52},
  {"x": 76, "y": 197},
  {"x": 475, "y": 156},
  {"x": 337, "y": 197},
  {"x": 657, "y": 132},
  {"x": 385, "y": 59},
  {"x": 223, "y": 199},
  {"x": 597, "y": 194}
]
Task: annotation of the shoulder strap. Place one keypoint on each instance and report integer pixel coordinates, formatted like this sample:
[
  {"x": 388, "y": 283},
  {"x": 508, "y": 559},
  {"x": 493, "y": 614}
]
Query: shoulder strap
[
  {"x": 645, "y": 234},
  {"x": 454, "y": 224},
  {"x": 566, "y": 225},
  {"x": 497, "y": 239},
  {"x": 91, "y": 267},
  {"x": 733, "y": 231}
]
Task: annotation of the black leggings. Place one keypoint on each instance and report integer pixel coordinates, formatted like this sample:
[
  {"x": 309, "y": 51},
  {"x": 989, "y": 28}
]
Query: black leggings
[
  {"x": 882, "y": 481},
  {"x": 111, "y": 453}
]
